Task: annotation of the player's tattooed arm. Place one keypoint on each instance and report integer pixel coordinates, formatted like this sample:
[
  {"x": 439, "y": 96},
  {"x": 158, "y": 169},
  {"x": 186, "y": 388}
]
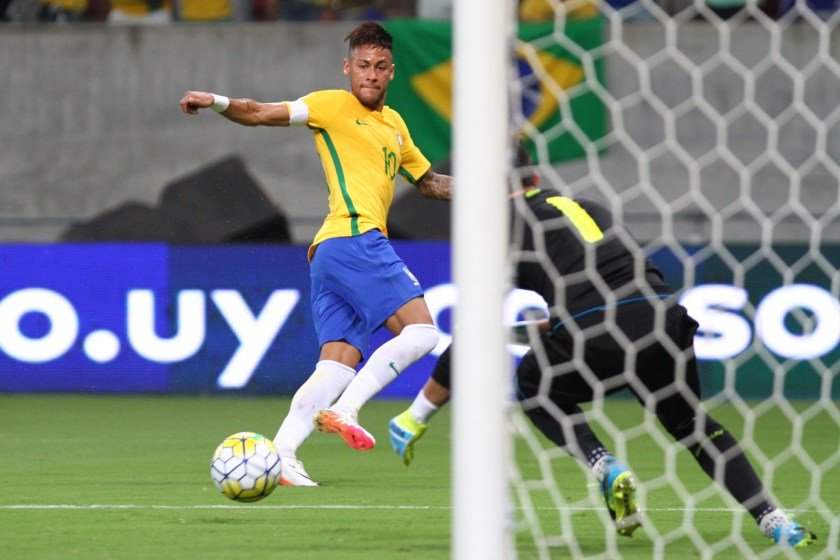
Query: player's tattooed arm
[{"x": 435, "y": 185}]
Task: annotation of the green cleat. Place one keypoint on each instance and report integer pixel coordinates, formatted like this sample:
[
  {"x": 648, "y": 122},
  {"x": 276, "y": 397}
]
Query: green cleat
[
  {"x": 405, "y": 431},
  {"x": 619, "y": 491}
]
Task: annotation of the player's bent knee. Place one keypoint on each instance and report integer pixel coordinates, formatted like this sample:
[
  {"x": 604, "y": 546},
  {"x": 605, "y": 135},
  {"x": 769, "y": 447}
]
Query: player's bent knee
[
  {"x": 414, "y": 342},
  {"x": 442, "y": 372},
  {"x": 686, "y": 431},
  {"x": 424, "y": 337},
  {"x": 527, "y": 377}
]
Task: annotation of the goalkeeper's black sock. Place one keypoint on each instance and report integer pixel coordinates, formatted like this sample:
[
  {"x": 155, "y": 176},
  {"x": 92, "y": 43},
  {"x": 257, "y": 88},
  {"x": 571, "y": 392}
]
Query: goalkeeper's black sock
[
  {"x": 597, "y": 458},
  {"x": 761, "y": 512},
  {"x": 738, "y": 476},
  {"x": 591, "y": 450},
  {"x": 585, "y": 446},
  {"x": 596, "y": 453}
]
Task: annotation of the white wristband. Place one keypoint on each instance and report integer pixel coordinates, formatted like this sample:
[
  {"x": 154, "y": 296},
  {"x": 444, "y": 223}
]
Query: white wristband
[{"x": 220, "y": 103}]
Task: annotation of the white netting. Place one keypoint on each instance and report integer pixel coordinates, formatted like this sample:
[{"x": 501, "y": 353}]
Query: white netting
[{"x": 713, "y": 135}]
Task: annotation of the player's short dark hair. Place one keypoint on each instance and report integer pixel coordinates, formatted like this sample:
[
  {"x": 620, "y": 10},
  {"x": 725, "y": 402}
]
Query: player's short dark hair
[
  {"x": 522, "y": 158},
  {"x": 370, "y": 33}
]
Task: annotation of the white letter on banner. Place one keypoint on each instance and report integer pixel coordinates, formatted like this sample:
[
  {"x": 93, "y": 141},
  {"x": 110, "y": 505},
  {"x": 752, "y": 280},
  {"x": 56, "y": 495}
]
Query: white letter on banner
[
  {"x": 438, "y": 299},
  {"x": 770, "y": 321},
  {"x": 722, "y": 334},
  {"x": 64, "y": 325},
  {"x": 189, "y": 333},
  {"x": 255, "y": 334},
  {"x": 519, "y": 302},
  {"x": 445, "y": 296}
]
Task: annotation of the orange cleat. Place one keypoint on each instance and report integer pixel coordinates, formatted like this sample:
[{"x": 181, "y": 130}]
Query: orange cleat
[{"x": 333, "y": 422}]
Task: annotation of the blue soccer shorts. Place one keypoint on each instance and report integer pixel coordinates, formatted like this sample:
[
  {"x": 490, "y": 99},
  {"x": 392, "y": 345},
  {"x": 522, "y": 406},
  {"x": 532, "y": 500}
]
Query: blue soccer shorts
[{"x": 357, "y": 284}]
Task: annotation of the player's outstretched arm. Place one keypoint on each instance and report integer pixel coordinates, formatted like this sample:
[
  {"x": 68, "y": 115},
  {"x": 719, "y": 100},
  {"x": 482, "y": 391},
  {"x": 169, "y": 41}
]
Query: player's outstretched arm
[
  {"x": 435, "y": 185},
  {"x": 243, "y": 111}
]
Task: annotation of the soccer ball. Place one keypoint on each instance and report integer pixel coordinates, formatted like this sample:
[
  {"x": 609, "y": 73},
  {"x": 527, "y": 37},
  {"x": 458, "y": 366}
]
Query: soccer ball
[{"x": 245, "y": 467}]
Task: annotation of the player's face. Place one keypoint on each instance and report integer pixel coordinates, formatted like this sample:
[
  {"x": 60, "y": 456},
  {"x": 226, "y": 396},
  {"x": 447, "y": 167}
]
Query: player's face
[{"x": 370, "y": 70}]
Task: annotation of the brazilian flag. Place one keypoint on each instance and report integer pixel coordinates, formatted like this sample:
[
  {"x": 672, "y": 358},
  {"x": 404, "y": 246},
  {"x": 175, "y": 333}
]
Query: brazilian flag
[{"x": 548, "y": 69}]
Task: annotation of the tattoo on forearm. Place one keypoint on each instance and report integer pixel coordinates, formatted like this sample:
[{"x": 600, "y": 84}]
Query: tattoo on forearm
[{"x": 433, "y": 185}]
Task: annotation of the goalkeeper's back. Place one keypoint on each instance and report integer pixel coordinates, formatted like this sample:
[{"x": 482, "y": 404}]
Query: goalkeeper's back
[{"x": 557, "y": 236}]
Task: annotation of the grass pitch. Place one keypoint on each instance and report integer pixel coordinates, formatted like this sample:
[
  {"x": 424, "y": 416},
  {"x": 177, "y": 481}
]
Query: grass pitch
[{"x": 128, "y": 477}]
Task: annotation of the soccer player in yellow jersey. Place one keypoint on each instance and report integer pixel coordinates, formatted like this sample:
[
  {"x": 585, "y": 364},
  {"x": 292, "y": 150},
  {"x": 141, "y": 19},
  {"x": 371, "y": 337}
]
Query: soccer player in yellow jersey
[{"x": 358, "y": 283}]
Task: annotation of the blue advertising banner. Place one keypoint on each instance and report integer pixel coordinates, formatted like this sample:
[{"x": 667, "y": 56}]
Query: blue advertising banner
[
  {"x": 63, "y": 317},
  {"x": 236, "y": 319},
  {"x": 155, "y": 318}
]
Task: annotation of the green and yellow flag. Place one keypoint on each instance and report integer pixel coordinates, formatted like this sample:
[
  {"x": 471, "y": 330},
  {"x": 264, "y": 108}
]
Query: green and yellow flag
[{"x": 557, "y": 98}]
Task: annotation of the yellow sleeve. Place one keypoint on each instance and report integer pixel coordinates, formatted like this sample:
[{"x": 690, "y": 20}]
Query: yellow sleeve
[
  {"x": 324, "y": 106},
  {"x": 413, "y": 164}
]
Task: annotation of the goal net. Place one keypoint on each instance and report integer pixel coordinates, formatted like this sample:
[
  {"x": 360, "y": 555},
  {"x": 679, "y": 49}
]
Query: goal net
[{"x": 711, "y": 131}]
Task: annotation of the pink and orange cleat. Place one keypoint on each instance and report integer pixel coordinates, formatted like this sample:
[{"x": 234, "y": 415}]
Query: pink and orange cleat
[{"x": 333, "y": 422}]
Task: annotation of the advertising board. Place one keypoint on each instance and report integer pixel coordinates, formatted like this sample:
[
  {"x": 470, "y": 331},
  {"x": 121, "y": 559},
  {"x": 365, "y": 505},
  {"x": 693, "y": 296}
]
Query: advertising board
[{"x": 236, "y": 319}]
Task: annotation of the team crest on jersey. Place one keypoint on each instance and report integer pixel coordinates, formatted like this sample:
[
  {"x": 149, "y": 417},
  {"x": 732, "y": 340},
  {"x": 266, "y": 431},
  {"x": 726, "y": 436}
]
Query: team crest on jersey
[{"x": 410, "y": 275}]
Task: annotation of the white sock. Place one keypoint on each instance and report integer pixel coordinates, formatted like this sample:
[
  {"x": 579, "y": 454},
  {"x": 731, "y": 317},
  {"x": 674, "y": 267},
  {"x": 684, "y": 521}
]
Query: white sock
[
  {"x": 384, "y": 365},
  {"x": 422, "y": 409},
  {"x": 772, "y": 520},
  {"x": 323, "y": 386}
]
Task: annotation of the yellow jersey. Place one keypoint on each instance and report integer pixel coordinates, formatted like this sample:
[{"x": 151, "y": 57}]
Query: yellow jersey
[
  {"x": 361, "y": 151},
  {"x": 206, "y": 10},
  {"x": 139, "y": 7},
  {"x": 69, "y": 5}
]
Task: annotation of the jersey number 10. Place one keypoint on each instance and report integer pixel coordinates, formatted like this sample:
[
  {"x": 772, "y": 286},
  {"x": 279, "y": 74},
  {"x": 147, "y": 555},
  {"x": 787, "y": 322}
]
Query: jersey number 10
[{"x": 390, "y": 162}]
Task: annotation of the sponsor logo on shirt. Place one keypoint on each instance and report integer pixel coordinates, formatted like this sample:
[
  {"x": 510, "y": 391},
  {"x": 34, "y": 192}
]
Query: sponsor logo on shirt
[{"x": 410, "y": 275}]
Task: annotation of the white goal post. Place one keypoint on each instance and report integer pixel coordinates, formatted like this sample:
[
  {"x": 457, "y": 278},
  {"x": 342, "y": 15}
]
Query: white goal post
[{"x": 481, "y": 389}]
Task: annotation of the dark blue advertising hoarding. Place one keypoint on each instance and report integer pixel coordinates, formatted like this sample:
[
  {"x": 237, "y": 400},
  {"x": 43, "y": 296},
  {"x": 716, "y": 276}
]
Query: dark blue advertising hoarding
[{"x": 234, "y": 319}]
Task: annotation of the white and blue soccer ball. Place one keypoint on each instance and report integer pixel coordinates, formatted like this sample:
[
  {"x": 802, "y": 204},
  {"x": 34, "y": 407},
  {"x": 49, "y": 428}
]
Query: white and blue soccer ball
[{"x": 245, "y": 467}]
